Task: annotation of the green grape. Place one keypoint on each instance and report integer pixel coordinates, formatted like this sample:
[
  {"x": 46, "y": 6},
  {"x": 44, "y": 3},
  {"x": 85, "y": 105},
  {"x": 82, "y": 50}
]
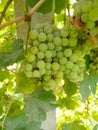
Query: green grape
[
  {"x": 46, "y": 77},
  {"x": 33, "y": 34},
  {"x": 72, "y": 42},
  {"x": 43, "y": 47},
  {"x": 93, "y": 31},
  {"x": 74, "y": 57},
  {"x": 69, "y": 64},
  {"x": 59, "y": 75},
  {"x": 87, "y": 6},
  {"x": 36, "y": 73},
  {"x": 50, "y": 45},
  {"x": 56, "y": 34},
  {"x": 40, "y": 64},
  {"x": 48, "y": 59},
  {"x": 40, "y": 55},
  {"x": 81, "y": 64},
  {"x": 67, "y": 71},
  {"x": 68, "y": 52},
  {"x": 36, "y": 43},
  {"x": 42, "y": 37},
  {"x": 48, "y": 54},
  {"x": 48, "y": 72},
  {"x": 60, "y": 54},
  {"x": 55, "y": 66},
  {"x": 78, "y": 10},
  {"x": 64, "y": 41},
  {"x": 30, "y": 57},
  {"x": 73, "y": 32},
  {"x": 53, "y": 53},
  {"x": 52, "y": 83},
  {"x": 63, "y": 60},
  {"x": 75, "y": 68},
  {"x": 47, "y": 29},
  {"x": 62, "y": 68},
  {"x": 73, "y": 75},
  {"x": 49, "y": 37},
  {"x": 64, "y": 33},
  {"x": 48, "y": 65},
  {"x": 28, "y": 67},
  {"x": 58, "y": 48},
  {"x": 42, "y": 71},
  {"x": 34, "y": 50},
  {"x": 57, "y": 41},
  {"x": 93, "y": 14},
  {"x": 29, "y": 74},
  {"x": 85, "y": 17},
  {"x": 90, "y": 24}
]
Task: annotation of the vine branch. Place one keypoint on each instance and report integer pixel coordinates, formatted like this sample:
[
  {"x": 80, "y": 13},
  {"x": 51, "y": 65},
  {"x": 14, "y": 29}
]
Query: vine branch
[
  {"x": 4, "y": 10},
  {"x": 30, "y": 13}
]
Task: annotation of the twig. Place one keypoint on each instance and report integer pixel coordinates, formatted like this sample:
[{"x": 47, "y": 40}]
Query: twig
[
  {"x": 4, "y": 10},
  {"x": 23, "y": 17}
]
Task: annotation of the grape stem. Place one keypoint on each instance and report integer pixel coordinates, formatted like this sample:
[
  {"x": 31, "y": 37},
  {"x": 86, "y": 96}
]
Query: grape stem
[
  {"x": 79, "y": 25},
  {"x": 20, "y": 18}
]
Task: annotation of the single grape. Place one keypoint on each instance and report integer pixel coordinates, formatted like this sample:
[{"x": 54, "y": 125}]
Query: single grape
[
  {"x": 40, "y": 64},
  {"x": 59, "y": 75},
  {"x": 60, "y": 54},
  {"x": 57, "y": 41},
  {"x": 90, "y": 24},
  {"x": 50, "y": 45},
  {"x": 43, "y": 47},
  {"x": 52, "y": 83},
  {"x": 42, "y": 37},
  {"x": 29, "y": 74},
  {"x": 64, "y": 33},
  {"x": 48, "y": 65},
  {"x": 68, "y": 52},
  {"x": 50, "y": 37},
  {"x": 58, "y": 48},
  {"x": 93, "y": 14},
  {"x": 64, "y": 41},
  {"x": 30, "y": 57},
  {"x": 48, "y": 54},
  {"x": 36, "y": 73},
  {"x": 72, "y": 42},
  {"x": 93, "y": 31},
  {"x": 75, "y": 68},
  {"x": 33, "y": 34},
  {"x": 85, "y": 17},
  {"x": 34, "y": 50},
  {"x": 63, "y": 60},
  {"x": 86, "y": 6},
  {"x": 73, "y": 75},
  {"x": 36, "y": 43},
  {"x": 28, "y": 67},
  {"x": 55, "y": 66},
  {"x": 74, "y": 57},
  {"x": 46, "y": 77},
  {"x": 42, "y": 71},
  {"x": 40, "y": 55},
  {"x": 69, "y": 64}
]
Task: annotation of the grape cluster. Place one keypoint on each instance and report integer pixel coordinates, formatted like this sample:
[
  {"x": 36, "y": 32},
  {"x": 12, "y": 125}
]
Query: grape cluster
[
  {"x": 87, "y": 11},
  {"x": 54, "y": 54}
]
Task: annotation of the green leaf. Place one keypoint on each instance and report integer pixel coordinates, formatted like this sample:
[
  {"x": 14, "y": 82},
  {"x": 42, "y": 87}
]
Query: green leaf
[
  {"x": 47, "y": 6},
  {"x": 88, "y": 61},
  {"x": 95, "y": 127},
  {"x": 38, "y": 104},
  {"x": 66, "y": 127},
  {"x": 3, "y": 74},
  {"x": 70, "y": 88},
  {"x": 21, "y": 122},
  {"x": 88, "y": 85},
  {"x": 7, "y": 59}
]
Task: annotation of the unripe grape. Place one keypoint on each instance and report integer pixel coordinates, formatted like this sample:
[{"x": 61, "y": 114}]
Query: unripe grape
[
  {"x": 43, "y": 47},
  {"x": 68, "y": 52},
  {"x": 87, "y": 6},
  {"x": 85, "y": 17},
  {"x": 30, "y": 57},
  {"x": 40, "y": 55},
  {"x": 64, "y": 41},
  {"x": 50, "y": 45},
  {"x": 69, "y": 64},
  {"x": 28, "y": 67},
  {"x": 40, "y": 64},
  {"x": 57, "y": 41},
  {"x": 48, "y": 54},
  {"x": 33, "y": 34},
  {"x": 34, "y": 50},
  {"x": 42, "y": 37},
  {"x": 93, "y": 14},
  {"x": 36, "y": 73},
  {"x": 50, "y": 37},
  {"x": 55, "y": 66}
]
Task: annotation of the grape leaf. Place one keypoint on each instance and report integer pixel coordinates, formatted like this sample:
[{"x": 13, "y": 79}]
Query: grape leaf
[
  {"x": 88, "y": 85},
  {"x": 66, "y": 127},
  {"x": 3, "y": 74},
  {"x": 95, "y": 127},
  {"x": 7, "y": 59},
  {"x": 47, "y": 6},
  {"x": 38, "y": 104},
  {"x": 21, "y": 122}
]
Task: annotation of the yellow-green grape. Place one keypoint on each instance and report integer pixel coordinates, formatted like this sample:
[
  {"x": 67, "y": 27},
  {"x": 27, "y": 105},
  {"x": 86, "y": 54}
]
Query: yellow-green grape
[
  {"x": 93, "y": 14},
  {"x": 64, "y": 41},
  {"x": 55, "y": 66},
  {"x": 28, "y": 67},
  {"x": 49, "y": 37},
  {"x": 72, "y": 42},
  {"x": 68, "y": 52},
  {"x": 90, "y": 24},
  {"x": 85, "y": 17},
  {"x": 93, "y": 31},
  {"x": 30, "y": 57},
  {"x": 57, "y": 41},
  {"x": 69, "y": 64},
  {"x": 42, "y": 37},
  {"x": 95, "y": 3},
  {"x": 43, "y": 47},
  {"x": 33, "y": 34},
  {"x": 50, "y": 45},
  {"x": 34, "y": 50},
  {"x": 48, "y": 54},
  {"x": 87, "y": 6},
  {"x": 40, "y": 55},
  {"x": 41, "y": 64},
  {"x": 74, "y": 57},
  {"x": 36, "y": 74}
]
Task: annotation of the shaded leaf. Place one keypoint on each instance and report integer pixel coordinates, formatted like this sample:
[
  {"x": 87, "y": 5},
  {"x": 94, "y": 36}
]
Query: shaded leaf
[
  {"x": 3, "y": 74},
  {"x": 95, "y": 127},
  {"x": 66, "y": 127},
  {"x": 7, "y": 59},
  {"x": 38, "y": 104},
  {"x": 47, "y": 6},
  {"x": 88, "y": 85}
]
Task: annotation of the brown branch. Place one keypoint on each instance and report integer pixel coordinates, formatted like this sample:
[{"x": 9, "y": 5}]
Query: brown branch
[
  {"x": 4, "y": 10},
  {"x": 23, "y": 17}
]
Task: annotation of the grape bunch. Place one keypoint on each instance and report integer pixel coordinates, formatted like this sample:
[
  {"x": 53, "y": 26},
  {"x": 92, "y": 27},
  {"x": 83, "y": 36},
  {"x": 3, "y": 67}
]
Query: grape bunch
[
  {"x": 87, "y": 12},
  {"x": 54, "y": 54}
]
